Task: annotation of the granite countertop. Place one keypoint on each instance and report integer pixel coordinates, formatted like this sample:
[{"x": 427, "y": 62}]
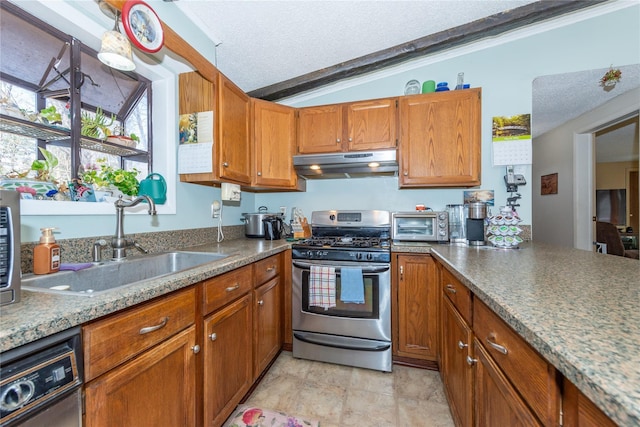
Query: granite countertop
[
  {"x": 579, "y": 309},
  {"x": 40, "y": 314}
]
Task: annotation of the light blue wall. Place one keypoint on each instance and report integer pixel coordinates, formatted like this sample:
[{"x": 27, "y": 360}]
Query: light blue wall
[{"x": 504, "y": 67}]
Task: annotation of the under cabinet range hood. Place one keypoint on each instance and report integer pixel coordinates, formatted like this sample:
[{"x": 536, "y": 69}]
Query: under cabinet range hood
[{"x": 346, "y": 165}]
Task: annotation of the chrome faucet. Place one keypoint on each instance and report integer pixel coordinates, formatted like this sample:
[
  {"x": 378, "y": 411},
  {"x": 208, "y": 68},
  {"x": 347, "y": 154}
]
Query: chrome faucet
[{"x": 119, "y": 242}]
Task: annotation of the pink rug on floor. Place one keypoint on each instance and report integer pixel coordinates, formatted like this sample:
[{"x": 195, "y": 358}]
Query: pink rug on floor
[{"x": 251, "y": 416}]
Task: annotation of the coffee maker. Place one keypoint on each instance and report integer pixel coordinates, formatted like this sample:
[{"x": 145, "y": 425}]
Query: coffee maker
[{"x": 477, "y": 212}]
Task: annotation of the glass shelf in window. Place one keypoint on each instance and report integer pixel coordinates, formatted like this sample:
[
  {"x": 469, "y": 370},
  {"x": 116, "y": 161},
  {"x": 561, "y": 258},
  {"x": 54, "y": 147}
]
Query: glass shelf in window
[{"x": 32, "y": 130}]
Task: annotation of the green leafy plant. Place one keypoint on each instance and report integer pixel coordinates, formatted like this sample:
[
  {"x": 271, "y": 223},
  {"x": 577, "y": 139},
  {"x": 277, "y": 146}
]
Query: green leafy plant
[
  {"x": 44, "y": 168},
  {"x": 97, "y": 126},
  {"x": 104, "y": 175},
  {"x": 51, "y": 115}
]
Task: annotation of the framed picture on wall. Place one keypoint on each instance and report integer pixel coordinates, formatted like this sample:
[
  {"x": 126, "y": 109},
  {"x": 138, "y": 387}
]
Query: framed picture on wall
[{"x": 549, "y": 184}]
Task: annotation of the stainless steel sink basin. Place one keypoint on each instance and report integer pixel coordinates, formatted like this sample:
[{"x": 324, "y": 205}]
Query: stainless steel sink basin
[{"x": 110, "y": 275}]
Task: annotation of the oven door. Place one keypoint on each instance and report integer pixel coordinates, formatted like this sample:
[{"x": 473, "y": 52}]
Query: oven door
[{"x": 371, "y": 320}]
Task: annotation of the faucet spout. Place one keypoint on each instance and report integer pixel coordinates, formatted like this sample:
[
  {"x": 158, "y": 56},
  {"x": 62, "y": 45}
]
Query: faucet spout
[{"x": 119, "y": 242}]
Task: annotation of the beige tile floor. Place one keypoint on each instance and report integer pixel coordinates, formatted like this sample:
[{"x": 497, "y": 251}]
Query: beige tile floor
[{"x": 340, "y": 396}]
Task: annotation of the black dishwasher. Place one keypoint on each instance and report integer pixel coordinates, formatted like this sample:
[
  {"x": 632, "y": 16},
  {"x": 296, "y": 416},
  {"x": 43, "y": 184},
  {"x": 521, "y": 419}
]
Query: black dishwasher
[{"x": 41, "y": 382}]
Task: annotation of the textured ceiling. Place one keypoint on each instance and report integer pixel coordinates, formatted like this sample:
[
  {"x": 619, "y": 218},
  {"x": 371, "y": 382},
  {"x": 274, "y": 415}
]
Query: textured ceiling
[{"x": 267, "y": 42}]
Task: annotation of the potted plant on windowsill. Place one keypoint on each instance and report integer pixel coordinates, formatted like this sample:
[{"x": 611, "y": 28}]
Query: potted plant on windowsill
[
  {"x": 107, "y": 178},
  {"x": 39, "y": 186},
  {"x": 96, "y": 126}
]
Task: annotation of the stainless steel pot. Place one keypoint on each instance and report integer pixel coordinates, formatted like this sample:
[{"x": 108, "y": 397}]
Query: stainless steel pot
[{"x": 253, "y": 222}]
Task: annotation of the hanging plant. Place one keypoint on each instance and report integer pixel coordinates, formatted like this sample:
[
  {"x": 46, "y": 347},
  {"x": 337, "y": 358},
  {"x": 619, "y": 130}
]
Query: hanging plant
[{"x": 611, "y": 77}]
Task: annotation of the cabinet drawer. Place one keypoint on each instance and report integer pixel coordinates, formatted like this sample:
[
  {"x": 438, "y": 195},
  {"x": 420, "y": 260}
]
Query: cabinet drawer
[
  {"x": 266, "y": 269},
  {"x": 225, "y": 288},
  {"x": 458, "y": 294},
  {"x": 531, "y": 375},
  {"x": 111, "y": 341}
]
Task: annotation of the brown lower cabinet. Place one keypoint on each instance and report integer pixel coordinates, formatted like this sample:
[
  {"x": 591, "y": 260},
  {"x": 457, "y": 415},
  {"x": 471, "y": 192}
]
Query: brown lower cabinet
[
  {"x": 415, "y": 294},
  {"x": 492, "y": 377},
  {"x": 186, "y": 358}
]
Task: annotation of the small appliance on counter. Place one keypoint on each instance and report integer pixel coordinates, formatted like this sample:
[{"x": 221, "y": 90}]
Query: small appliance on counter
[
  {"x": 457, "y": 223},
  {"x": 477, "y": 212},
  {"x": 420, "y": 226},
  {"x": 9, "y": 247},
  {"x": 253, "y": 222}
]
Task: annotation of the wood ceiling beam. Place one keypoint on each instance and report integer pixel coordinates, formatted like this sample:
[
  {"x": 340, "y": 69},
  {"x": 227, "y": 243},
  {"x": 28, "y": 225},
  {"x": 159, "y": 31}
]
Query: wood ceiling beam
[{"x": 487, "y": 27}]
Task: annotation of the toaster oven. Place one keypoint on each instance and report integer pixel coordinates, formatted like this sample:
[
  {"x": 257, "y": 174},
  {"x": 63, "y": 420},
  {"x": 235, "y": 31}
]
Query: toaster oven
[{"x": 420, "y": 226}]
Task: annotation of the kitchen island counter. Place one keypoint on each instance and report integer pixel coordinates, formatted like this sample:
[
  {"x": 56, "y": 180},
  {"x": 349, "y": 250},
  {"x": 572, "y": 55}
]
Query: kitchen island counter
[
  {"x": 580, "y": 310},
  {"x": 41, "y": 314}
]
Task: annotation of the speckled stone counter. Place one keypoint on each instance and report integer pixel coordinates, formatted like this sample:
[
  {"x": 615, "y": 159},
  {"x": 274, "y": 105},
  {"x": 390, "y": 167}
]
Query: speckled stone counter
[
  {"x": 579, "y": 309},
  {"x": 41, "y": 314}
]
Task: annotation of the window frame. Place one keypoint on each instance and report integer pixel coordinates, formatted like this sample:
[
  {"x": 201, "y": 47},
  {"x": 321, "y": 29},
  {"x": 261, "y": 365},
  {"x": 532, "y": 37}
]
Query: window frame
[{"x": 157, "y": 78}]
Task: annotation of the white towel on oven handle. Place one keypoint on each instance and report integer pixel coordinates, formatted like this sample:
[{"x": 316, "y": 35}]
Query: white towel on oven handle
[{"x": 322, "y": 286}]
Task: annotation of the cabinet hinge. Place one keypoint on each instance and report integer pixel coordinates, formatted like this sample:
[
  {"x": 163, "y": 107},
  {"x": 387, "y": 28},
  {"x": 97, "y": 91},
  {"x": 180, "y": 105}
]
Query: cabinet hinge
[
  {"x": 561, "y": 417},
  {"x": 396, "y": 103}
]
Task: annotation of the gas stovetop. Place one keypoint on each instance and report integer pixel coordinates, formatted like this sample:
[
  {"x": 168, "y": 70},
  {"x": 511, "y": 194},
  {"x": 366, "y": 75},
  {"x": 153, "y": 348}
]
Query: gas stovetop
[{"x": 361, "y": 236}]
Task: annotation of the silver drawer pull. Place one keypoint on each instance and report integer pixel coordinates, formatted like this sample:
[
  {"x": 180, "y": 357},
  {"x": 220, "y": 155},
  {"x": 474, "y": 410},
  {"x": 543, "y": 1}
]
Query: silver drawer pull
[
  {"x": 232, "y": 288},
  {"x": 160, "y": 325},
  {"x": 261, "y": 302},
  {"x": 462, "y": 345},
  {"x": 270, "y": 269},
  {"x": 451, "y": 289},
  {"x": 471, "y": 361},
  {"x": 195, "y": 349},
  {"x": 213, "y": 336},
  {"x": 498, "y": 347}
]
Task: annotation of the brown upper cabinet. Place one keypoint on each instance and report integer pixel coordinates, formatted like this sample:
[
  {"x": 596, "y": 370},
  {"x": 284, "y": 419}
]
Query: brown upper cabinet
[
  {"x": 354, "y": 126},
  {"x": 274, "y": 141},
  {"x": 231, "y": 107},
  {"x": 440, "y": 139}
]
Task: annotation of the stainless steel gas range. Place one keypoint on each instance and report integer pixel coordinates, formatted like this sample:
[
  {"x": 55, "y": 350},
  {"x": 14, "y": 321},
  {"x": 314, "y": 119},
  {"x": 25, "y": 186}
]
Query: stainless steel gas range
[{"x": 342, "y": 290}]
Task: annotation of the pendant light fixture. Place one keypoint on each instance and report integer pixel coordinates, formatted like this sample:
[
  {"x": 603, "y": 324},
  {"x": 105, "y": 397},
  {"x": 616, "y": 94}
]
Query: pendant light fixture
[{"x": 115, "y": 50}]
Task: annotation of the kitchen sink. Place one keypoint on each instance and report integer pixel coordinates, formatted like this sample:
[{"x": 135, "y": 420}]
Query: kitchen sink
[{"x": 111, "y": 275}]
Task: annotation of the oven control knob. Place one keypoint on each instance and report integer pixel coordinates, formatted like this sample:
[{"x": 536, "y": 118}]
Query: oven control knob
[
  {"x": 358, "y": 256},
  {"x": 442, "y": 216},
  {"x": 332, "y": 217},
  {"x": 369, "y": 257},
  {"x": 17, "y": 394},
  {"x": 442, "y": 225}
]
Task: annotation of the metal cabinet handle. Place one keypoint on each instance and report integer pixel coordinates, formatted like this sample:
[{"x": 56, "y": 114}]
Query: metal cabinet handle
[
  {"x": 405, "y": 173},
  {"x": 261, "y": 302},
  {"x": 213, "y": 336},
  {"x": 338, "y": 140},
  {"x": 450, "y": 288},
  {"x": 498, "y": 347},
  {"x": 401, "y": 272},
  {"x": 462, "y": 345},
  {"x": 232, "y": 288},
  {"x": 271, "y": 268},
  {"x": 471, "y": 361},
  {"x": 350, "y": 139},
  {"x": 196, "y": 349},
  {"x": 225, "y": 164},
  {"x": 259, "y": 173},
  {"x": 160, "y": 325}
]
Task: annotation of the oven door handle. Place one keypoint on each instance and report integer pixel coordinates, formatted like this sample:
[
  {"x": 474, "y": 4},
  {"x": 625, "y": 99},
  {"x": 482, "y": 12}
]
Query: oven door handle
[
  {"x": 329, "y": 343},
  {"x": 367, "y": 268}
]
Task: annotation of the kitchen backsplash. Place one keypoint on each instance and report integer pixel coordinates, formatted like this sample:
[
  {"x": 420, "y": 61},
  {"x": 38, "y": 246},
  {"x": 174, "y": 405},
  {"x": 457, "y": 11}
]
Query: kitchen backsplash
[{"x": 80, "y": 250}]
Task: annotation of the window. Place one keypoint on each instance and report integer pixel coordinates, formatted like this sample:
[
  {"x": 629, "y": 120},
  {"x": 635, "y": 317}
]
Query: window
[{"x": 51, "y": 88}]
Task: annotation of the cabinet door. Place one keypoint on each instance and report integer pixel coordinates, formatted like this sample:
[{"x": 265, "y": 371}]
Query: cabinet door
[
  {"x": 371, "y": 125},
  {"x": 320, "y": 129},
  {"x": 496, "y": 402},
  {"x": 227, "y": 360},
  {"x": 155, "y": 389},
  {"x": 267, "y": 324},
  {"x": 440, "y": 139},
  {"x": 274, "y": 141},
  {"x": 197, "y": 94},
  {"x": 234, "y": 148},
  {"x": 457, "y": 374},
  {"x": 417, "y": 307},
  {"x": 579, "y": 411}
]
